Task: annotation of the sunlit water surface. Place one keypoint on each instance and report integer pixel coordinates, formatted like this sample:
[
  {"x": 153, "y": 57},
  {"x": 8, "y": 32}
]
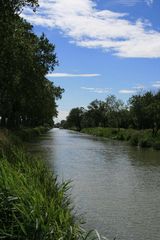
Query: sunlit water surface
[{"x": 115, "y": 186}]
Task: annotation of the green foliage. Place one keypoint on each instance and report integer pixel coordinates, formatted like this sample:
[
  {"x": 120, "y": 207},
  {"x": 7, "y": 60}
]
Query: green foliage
[
  {"x": 146, "y": 139},
  {"x": 141, "y": 138},
  {"x": 101, "y": 132},
  {"x": 145, "y": 111},
  {"x": 74, "y": 118},
  {"x": 142, "y": 112},
  {"x": 27, "y": 134},
  {"x": 120, "y": 136},
  {"x": 109, "y": 113},
  {"x": 156, "y": 145},
  {"x": 134, "y": 140},
  {"x": 17, "y": 5},
  {"x": 32, "y": 204},
  {"x": 27, "y": 98},
  {"x": 145, "y": 142}
]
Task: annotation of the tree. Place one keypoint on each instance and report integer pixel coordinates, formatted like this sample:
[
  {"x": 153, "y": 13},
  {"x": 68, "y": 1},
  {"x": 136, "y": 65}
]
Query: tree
[
  {"x": 96, "y": 114},
  {"x": 74, "y": 118},
  {"x": 9, "y": 7},
  {"x": 114, "y": 110},
  {"x": 153, "y": 112},
  {"x": 139, "y": 109},
  {"x": 26, "y": 96}
]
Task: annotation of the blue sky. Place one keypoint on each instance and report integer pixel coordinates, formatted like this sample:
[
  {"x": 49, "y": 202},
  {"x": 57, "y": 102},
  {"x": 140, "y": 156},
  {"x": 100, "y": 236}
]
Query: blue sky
[{"x": 104, "y": 47}]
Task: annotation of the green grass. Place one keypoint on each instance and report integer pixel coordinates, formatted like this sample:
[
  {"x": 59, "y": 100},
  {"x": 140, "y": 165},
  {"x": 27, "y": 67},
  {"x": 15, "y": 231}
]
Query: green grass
[
  {"x": 27, "y": 134},
  {"x": 33, "y": 205},
  {"x": 17, "y": 137},
  {"x": 141, "y": 138}
]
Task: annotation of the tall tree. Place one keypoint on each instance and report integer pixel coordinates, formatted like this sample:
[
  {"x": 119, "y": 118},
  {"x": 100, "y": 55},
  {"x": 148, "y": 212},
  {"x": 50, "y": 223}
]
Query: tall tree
[
  {"x": 74, "y": 119},
  {"x": 26, "y": 96},
  {"x": 96, "y": 113},
  {"x": 114, "y": 111}
]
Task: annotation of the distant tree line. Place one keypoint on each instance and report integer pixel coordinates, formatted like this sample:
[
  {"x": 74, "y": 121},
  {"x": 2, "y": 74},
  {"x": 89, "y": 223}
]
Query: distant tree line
[
  {"x": 27, "y": 97},
  {"x": 141, "y": 112}
]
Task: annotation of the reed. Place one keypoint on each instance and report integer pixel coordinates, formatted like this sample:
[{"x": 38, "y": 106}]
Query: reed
[
  {"x": 33, "y": 205},
  {"x": 141, "y": 138}
]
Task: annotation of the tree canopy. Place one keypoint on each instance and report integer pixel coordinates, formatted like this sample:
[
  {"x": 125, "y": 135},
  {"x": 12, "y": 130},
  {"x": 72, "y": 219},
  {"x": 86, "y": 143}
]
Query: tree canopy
[
  {"x": 141, "y": 112},
  {"x": 27, "y": 97}
]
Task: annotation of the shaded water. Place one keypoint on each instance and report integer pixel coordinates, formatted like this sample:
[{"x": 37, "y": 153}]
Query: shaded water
[{"x": 115, "y": 186}]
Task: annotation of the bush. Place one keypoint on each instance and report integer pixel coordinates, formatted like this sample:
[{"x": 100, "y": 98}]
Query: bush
[
  {"x": 142, "y": 138},
  {"x": 27, "y": 134},
  {"x": 120, "y": 137},
  {"x": 145, "y": 142},
  {"x": 128, "y": 134},
  {"x": 114, "y": 131},
  {"x": 134, "y": 139},
  {"x": 156, "y": 145}
]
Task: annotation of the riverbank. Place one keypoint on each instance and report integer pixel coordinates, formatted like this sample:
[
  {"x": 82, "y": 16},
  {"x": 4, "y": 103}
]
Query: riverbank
[
  {"x": 18, "y": 136},
  {"x": 142, "y": 138},
  {"x": 33, "y": 205}
]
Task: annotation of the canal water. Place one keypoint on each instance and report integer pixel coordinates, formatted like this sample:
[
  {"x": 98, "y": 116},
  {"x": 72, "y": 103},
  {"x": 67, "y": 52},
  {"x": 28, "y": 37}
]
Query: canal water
[{"x": 115, "y": 187}]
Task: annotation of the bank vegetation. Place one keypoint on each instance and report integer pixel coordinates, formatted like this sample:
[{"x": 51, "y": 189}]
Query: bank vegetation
[
  {"x": 33, "y": 205},
  {"x": 27, "y": 97},
  {"x": 137, "y": 122}
]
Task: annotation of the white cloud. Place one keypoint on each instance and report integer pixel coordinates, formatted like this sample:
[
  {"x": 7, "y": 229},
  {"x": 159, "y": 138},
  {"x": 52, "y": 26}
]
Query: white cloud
[
  {"x": 127, "y": 91},
  {"x": 61, "y": 75},
  {"x": 96, "y": 90},
  {"x": 89, "y": 27},
  {"x": 156, "y": 84}
]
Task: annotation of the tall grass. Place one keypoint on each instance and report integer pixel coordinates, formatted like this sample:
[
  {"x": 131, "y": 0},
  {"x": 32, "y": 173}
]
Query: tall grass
[
  {"x": 33, "y": 205},
  {"x": 27, "y": 134},
  {"x": 141, "y": 138}
]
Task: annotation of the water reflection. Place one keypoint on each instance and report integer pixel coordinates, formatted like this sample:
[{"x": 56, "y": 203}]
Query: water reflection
[{"x": 115, "y": 185}]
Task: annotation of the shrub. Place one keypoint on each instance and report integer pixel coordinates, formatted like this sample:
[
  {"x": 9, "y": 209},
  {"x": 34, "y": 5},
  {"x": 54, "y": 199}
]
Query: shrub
[
  {"x": 27, "y": 134},
  {"x": 134, "y": 139},
  {"x": 114, "y": 131},
  {"x": 156, "y": 145},
  {"x": 121, "y": 137},
  {"x": 145, "y": 142}
]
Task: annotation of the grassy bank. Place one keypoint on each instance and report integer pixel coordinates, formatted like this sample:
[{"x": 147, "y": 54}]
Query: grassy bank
[
  {"x": 18, "y": 136},
  {"x": 27, "y": 134},
  {"x": 32, "y": 204},
  {"x": 142, "y": 138}
]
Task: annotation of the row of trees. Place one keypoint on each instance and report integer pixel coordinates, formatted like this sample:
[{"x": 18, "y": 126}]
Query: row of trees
[
  {"x": 27, "y": 97},
  {"x": 141, "y": 112}
]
